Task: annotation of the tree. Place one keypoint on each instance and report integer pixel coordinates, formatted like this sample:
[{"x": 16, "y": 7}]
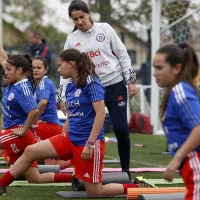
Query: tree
[
  {"x": 102, "y": 7},
  {"x": 29, "y": 14},
  {"x": 119, "y": 10},
  {"x": 129, "y": 11}
]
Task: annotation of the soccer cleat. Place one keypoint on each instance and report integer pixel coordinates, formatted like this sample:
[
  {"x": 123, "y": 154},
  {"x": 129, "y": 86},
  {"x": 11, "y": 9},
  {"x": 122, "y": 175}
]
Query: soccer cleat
[
  {"x": 2, "y": 191},
  {"x": 142, "y": 182}
]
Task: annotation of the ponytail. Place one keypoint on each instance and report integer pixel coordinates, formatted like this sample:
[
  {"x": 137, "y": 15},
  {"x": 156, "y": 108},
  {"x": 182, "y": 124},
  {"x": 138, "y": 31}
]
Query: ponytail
[
  {"x": 28, "y": 57},
  {"x": 31, "y": 79},
  {"x": 29, "y": 71},
  {"x": 85, "y": 67},
  {"x": 185, "y": 55},
  {"x": 84, "y": 64}
]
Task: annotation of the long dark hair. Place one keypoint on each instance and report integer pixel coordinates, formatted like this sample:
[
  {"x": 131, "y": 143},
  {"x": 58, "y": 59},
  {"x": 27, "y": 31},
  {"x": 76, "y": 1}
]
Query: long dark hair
[
  {"x": 25, "y": 62},
  {"x": 84, "y": 64},
  {"x": 78, "y": 5},
  {"x": 185, "y": 55}
]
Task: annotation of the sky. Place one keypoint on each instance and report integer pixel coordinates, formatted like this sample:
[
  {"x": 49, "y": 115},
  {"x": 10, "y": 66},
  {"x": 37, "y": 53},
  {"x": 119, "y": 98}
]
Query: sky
[{"x": 62, "y": 21}]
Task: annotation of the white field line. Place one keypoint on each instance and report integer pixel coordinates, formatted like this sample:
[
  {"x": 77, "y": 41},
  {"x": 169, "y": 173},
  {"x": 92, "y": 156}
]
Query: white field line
[{"x": 137, "y": 162}]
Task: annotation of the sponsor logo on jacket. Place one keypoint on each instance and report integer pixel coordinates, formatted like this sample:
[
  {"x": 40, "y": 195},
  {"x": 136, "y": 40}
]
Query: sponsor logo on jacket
[
  {"x": 94, "y": 53},
  {"x": 103, "y": 63}
]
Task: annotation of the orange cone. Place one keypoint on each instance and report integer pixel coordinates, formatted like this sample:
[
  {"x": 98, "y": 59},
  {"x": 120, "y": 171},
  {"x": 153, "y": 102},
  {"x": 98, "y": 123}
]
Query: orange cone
[{"x": 133, "y": 193}]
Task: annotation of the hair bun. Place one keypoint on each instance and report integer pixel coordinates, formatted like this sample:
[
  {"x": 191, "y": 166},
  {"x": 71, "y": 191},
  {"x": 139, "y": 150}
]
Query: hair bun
[{"x": 28, "y": 57}]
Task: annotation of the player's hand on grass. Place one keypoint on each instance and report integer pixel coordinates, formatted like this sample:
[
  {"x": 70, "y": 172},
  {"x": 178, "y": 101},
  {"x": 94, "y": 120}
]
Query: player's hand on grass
[
  {"x": 171, "y": 169},
  {"x": 87, "y": 153}
]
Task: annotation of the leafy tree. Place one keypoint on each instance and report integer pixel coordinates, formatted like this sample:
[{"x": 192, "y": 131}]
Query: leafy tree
[
  {"x": 27, "y": 12},
  {"x": 131, "y": 12},
  {"x": 102, "y": 7},
  {"x": 114, "y": 10},
  {"x": 30, "y": 14}
]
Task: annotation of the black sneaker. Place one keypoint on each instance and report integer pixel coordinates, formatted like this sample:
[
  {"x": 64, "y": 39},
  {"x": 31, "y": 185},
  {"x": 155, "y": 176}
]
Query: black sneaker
[
  {"x": 129, "y": 174},
  {"x": 2, "y": 191},
  {"x": 142, "y": 182}
]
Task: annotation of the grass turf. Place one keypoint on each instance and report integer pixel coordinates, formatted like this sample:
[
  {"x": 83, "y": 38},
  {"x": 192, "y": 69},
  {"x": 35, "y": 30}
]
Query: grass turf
[{"x": 148, "y": 156}]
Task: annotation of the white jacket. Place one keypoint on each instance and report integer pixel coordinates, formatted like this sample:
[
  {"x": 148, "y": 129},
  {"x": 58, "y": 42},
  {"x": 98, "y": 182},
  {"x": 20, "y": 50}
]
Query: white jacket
[{"x": 107, "y": 52}]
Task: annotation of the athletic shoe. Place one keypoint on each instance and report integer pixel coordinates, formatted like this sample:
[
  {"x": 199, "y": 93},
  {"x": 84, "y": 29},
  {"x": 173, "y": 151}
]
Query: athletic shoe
[
  {"x": 2, "y": 191},
  {"x": 142, "y": 182}
]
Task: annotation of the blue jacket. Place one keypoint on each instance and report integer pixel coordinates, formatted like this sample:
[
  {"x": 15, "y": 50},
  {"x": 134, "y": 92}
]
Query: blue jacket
[{"x": 42, "y": 50}]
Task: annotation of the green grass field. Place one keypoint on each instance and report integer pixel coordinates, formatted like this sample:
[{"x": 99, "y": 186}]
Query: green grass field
[{"x": 148, "y": 156}]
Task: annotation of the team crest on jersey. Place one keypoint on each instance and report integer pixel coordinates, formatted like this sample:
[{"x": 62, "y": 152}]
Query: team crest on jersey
[
  {"x": 11, "y": 97},
  {"x": 78, "y": 93},
  {"x": 100, "y": 37}
]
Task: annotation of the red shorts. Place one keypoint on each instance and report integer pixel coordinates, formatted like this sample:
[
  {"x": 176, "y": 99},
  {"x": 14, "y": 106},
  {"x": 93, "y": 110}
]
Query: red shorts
[
  {"x": 15, "y": 145},
  {"x": 190, "y": 173},
  {"x": 47, "y": 130},
  {"x": 86, "y": 170}
]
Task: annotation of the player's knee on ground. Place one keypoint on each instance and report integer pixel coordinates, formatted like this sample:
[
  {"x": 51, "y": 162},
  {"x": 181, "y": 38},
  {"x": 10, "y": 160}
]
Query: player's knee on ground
[
  {"x": 33, "y": 178},
  {"x": 93, "y": 192}
]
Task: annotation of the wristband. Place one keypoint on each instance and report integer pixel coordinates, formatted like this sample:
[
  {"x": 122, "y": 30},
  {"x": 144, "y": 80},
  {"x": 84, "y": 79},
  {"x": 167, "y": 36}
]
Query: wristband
[
  {"x": 89, "y": 142},
  {"x": 90, "y": 146}
]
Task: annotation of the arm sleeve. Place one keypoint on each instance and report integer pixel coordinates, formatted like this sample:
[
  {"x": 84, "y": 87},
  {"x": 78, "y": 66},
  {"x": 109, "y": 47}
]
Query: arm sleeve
[
  {"x": 95, "y": 90},
  {"x": 120, "y": 51},
  {"x": 63, "y": 83},
  {"x": 26, "y": 100},
  {"x": 44, "y": 91},
  {"x": 62, "y": 89},
  {"x": 187, "y": 107}
]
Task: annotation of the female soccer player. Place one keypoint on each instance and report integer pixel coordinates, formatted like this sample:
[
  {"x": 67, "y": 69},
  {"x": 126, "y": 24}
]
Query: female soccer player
[
  {"x": 47, "y": 124},
  {"x": 20, "y": 110},
  {"x": 83, "y": 138},
  {"x": 175, "y": 68},
  {"x": 113, "y": 67}
]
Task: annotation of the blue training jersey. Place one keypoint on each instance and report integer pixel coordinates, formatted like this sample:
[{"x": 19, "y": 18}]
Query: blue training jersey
[
  {"x": 46, "y": 90},
  {"x": 17, "y": 102},
  {"x": 182, "y": 114},
  {"x": 81, "y": 110}
]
